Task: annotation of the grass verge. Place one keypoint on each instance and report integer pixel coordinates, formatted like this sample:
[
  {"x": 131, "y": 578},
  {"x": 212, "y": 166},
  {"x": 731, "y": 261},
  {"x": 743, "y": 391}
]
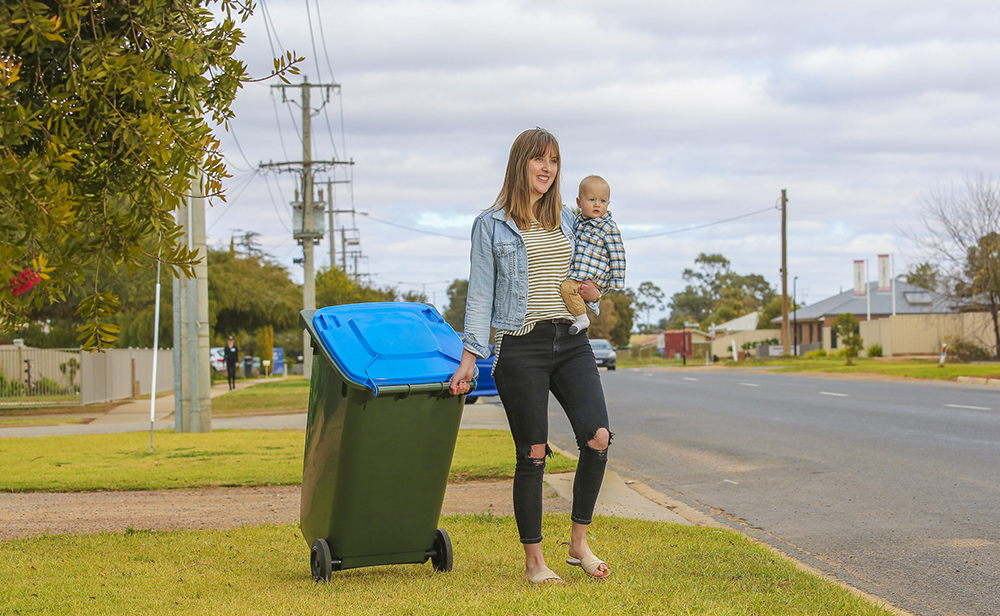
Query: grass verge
[
  {"x": 657, "y": 569},
  {"x": 288, "y": 395},
  {"x": 223, "y": 458},
  {"x": 912, "y": 368}
]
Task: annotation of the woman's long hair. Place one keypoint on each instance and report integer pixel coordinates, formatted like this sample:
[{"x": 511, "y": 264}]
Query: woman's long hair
[{"x": 515, "y": 195}]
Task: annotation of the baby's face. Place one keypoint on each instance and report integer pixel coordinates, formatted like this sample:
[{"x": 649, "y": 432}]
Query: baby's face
[{"x": 594, "y": 199}]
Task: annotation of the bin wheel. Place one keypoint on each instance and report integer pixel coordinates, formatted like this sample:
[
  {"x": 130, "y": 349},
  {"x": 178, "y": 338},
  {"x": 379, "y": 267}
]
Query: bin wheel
[
  {"x": 441, "y": 554},
  {"x": 471, "y": 399},
  {"x": 320, "y": 561}
]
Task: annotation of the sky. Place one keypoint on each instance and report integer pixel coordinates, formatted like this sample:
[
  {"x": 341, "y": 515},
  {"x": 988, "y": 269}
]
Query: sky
[{"x": 698, "y": 114}]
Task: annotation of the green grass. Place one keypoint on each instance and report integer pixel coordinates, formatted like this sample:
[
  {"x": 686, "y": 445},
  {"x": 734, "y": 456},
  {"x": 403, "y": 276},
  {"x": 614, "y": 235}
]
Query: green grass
[
  {"x": 223, "y": 458},
  {"x": 54, "y": 420},
  {"x": 657, "y": 569},
  {"x": 288, "y": 395},
  {"x": 913, "y": 368}
]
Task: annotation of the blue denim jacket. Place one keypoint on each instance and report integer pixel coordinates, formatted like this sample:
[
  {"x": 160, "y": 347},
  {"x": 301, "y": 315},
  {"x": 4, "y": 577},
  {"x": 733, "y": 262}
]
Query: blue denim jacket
[{"x": 498, "y": 278}]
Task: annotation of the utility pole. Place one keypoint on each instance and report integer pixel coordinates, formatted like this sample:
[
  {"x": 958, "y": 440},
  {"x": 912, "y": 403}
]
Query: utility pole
[
  {"x": 309, "y": 231},
  {"x": 331, "y": 211},
  {"x": 192, "y": 371},
  {"x": 784, "y": 273}
]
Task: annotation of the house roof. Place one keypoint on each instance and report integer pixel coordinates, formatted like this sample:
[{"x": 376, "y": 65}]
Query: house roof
[
  {"x": 910, "y": 299},
  {"x": 740, "y": 324}
]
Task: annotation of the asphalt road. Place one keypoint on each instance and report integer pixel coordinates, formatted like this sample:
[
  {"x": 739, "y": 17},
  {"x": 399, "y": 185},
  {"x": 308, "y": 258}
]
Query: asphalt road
[{"x": 891, "y": 487}]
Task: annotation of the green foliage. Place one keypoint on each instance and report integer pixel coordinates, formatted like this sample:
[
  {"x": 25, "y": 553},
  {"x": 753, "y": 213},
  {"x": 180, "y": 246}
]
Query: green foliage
[
  {"x": 846, "y": 327},
  {"x": 454, "y": 315},
  {"x": 104, "y": 127},
  {"x": 965, "y": 350},
  {"x": 334, "y": 287},
  {"x": 716, "y": 294},
  {"x": 925, "y": 275},
  {"x": 265, "y": 347},
  {"x": 815, "y": 354},
  {"x": 621, "y": 332},
  {"x": 875, "y": 350},
  {"x": 247, "y": 293},
  {"x": 647, "y": 297}
]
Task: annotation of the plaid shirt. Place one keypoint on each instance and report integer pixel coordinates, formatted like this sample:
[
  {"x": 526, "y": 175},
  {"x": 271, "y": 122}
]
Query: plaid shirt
[{"x": 599, "y": 254}]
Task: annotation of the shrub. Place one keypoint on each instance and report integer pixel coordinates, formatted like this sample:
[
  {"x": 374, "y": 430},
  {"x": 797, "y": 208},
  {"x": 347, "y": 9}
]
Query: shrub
[
  {"x": 965, "y": 350},
  {"x": 875, "y": 350},
  {"x": 815, "y": 354}
]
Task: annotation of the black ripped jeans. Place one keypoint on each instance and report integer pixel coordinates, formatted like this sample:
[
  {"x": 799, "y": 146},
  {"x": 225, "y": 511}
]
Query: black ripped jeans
[{"x": 548, "y": 359}]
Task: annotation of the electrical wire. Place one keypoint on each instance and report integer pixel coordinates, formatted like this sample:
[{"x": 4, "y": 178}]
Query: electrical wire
[
  {"x": 702, "y": 226},
  {"x": 393, "y": 224},
  {"x": 230, "y": 202},
  {"x": 275, "y": 204}
]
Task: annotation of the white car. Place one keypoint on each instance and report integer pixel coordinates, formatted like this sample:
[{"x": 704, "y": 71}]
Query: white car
[
  {"x": 217, "y": 357},
  {"x": 604, "y": 353}
]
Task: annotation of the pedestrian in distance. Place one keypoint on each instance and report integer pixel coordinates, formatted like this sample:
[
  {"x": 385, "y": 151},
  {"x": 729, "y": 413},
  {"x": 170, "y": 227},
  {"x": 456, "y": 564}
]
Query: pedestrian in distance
[
  {"x": 232, "y": 356},
  {"x": 599, "y": 254},
  {"x": 521, "y": 251}
]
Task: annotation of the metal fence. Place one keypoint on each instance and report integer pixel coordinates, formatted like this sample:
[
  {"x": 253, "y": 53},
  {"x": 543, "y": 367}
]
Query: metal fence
[{"x": 40, "y": 376}]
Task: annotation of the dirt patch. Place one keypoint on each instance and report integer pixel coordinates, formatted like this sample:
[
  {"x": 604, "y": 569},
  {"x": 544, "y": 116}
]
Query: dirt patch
[{"x": 47, "y": 513}]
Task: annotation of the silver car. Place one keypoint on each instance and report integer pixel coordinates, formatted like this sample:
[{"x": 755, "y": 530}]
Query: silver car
[{"x": 604, "y": 353}]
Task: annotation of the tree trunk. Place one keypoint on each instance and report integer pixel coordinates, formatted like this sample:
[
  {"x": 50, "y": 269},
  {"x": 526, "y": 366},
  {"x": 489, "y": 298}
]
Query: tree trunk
[{"x": 996, "y": 325}]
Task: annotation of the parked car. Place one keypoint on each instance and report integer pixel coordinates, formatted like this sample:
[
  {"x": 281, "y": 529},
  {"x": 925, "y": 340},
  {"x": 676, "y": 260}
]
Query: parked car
[
  {"x": 604, "y": 353},
  {"x": 217, "y": 357},
  {"x": 485, "y": 386}
]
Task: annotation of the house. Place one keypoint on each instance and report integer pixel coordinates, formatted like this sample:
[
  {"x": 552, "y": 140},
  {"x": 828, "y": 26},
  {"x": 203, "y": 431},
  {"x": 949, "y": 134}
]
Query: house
[
  {"x": 812, "y": 326},
  {"x": 743, "y": 332}
]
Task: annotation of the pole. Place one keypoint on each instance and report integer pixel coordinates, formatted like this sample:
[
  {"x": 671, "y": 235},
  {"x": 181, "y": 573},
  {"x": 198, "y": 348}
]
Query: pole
[
  {"x": 156, "y": 355},
  {"x": 784, "y": 273},
  {"x": 868, "y": 294},
  {"x": 309, "y": 276},
  {"x": 330, "y": 220},
  {"x": 893, "y": 269},
  {"x": 795, "y": 325}
]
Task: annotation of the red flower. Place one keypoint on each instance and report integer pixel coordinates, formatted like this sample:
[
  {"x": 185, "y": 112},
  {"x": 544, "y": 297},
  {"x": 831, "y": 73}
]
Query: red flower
[{"x": 22, "y": 283}]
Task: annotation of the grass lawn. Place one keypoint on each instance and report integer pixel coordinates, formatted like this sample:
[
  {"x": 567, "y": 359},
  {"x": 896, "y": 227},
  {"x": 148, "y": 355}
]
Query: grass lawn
[
  {"x": 222, "y": 458},
  {"x": 913, "y": 368},
  {"x": 287, "y": 395},
  {"x": 657, "y": 569}
]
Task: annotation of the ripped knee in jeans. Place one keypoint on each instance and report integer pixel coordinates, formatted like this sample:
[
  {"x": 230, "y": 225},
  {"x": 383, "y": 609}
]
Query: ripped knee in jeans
[
  {"x": 535, "y": 455},
  {"x": 599, "y": 442}
]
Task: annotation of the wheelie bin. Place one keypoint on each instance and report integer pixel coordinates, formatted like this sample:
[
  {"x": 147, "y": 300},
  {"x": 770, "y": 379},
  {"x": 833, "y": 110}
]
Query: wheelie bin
[{"x": 380, "y": 436}]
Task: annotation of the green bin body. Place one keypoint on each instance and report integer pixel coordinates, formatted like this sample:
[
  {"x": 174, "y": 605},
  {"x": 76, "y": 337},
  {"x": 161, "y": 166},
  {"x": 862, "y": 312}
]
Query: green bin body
[{"x": 375, "y": 466}]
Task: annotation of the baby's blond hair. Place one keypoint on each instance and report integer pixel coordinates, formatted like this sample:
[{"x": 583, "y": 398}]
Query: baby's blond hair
[{"x": 591, "y": 179}]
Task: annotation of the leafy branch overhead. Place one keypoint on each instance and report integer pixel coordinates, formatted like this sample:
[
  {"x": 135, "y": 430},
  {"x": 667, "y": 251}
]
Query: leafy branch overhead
[{"x": 105, "y": 111}]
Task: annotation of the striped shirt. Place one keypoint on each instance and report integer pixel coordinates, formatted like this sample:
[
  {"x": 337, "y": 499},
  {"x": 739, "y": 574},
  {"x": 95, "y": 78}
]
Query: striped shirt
[{"x": 549, "y": 254}]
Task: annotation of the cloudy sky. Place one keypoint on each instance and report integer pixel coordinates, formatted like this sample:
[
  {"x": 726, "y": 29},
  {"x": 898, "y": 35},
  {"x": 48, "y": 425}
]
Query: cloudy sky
[{"x": 696, "y": 112}]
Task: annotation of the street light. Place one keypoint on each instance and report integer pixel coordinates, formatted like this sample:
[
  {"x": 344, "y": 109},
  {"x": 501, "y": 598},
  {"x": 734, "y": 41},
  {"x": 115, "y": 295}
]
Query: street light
[{"x": 795, "y": 319}]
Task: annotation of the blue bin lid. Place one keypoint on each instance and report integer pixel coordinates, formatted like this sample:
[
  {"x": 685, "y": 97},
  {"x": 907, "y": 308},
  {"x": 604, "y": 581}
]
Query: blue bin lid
[{"x": 389, "y": 343}]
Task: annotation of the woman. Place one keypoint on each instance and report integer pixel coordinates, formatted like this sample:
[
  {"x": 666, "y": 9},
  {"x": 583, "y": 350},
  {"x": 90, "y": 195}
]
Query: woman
[{"x": 521, "y": 250}]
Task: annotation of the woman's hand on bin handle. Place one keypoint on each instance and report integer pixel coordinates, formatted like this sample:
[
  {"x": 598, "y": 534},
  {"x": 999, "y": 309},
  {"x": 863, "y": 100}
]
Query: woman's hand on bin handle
[{"x": 465, "y": 373}]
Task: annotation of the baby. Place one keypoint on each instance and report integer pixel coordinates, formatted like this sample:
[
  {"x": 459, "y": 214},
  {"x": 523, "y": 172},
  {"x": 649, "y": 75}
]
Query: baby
[{"x": 599, "y": 254}]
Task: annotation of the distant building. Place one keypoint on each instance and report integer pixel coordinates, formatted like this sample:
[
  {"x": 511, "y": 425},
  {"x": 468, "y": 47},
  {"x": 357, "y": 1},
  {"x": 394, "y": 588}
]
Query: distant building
[{"x": 814, "y": 324}]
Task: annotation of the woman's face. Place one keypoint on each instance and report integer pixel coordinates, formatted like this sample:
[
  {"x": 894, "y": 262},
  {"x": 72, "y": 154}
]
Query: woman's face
[{"x": 542, "y": 171}]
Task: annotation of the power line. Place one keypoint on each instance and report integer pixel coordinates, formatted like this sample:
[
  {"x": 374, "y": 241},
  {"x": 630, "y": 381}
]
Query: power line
[
  {"x": 702, "y": 226},
  {"x": 393, "y": 224}
]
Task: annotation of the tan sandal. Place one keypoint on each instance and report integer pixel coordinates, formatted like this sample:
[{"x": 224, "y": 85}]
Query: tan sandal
[
  {"x": 545, "y": 576},
  {"x": 590, "y": 564}
]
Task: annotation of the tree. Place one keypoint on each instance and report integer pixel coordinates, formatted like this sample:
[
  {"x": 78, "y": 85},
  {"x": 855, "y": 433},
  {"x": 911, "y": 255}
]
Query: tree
[
  {"x": 105, "y": 111},
  {"x": 334, "y": 287},
  {"x": 715, "y": 293},
  {"x": 846, "y": 327},
  {"x": 960, "y": 227},
  {"x": 648, "y": 296},
  {"x": 601, "y": 325},
  {"x": 621, "y": 332},
  {"x": 454, "y": 315},
  {"x": 924, "y": 275}
]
